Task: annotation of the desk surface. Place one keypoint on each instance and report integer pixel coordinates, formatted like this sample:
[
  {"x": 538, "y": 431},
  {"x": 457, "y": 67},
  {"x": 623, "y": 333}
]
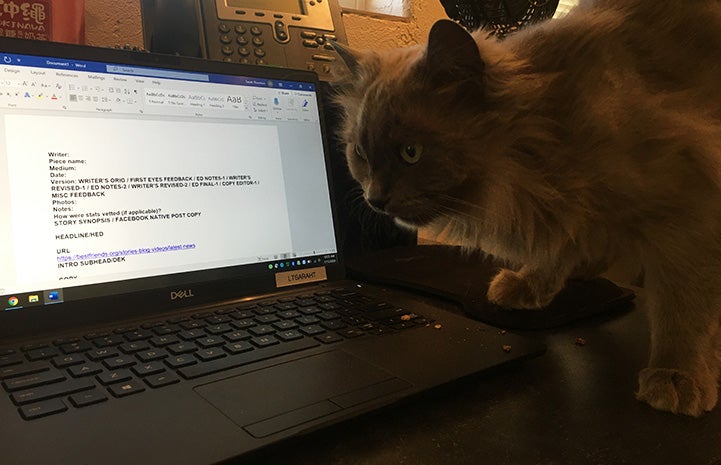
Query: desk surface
[{"x": 573, "y": 405}]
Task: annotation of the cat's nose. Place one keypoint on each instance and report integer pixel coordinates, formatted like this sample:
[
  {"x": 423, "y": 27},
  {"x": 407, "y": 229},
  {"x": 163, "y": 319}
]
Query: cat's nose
[{"x": 378, "y": 204}]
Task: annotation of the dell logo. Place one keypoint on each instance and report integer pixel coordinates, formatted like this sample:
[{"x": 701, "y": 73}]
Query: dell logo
[{"x": 184, "y": 294}]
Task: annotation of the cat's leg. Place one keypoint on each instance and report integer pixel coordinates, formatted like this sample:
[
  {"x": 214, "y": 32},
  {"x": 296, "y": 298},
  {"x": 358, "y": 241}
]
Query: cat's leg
[
  {"x": 528, "y": 287},
  {"x": 685, "y": 359}
]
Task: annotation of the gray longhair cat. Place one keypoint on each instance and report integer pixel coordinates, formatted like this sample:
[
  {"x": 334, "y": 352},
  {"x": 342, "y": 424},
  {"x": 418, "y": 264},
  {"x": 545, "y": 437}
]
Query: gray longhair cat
[{"x": 579, "y": 146}]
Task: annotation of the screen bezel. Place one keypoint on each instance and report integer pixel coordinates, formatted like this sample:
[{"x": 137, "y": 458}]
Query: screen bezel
[{"x": 72, "y": 315}]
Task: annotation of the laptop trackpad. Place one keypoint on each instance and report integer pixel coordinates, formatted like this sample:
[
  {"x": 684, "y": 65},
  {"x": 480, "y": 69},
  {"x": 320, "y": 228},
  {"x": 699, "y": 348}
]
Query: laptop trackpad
[{"x": 271, "y": 400}]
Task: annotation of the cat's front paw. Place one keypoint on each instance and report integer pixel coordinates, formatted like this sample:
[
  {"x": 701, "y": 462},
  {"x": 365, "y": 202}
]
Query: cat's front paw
[
  {"x": 676, "y": 391},
  {"x": 510, "y": 289}
]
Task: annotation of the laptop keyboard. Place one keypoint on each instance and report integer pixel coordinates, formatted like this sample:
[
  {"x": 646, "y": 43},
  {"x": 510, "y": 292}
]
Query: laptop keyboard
[{"x": 50, "y": 378}]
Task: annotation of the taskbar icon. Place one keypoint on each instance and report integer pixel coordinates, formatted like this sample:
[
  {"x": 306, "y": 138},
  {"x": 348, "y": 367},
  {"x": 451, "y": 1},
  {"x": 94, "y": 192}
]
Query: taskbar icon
[
  {"x": 53, "y": 296},
  {"x": 30, "y": 299}
]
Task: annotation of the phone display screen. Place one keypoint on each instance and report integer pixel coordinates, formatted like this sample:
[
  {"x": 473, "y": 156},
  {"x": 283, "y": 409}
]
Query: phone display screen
[{"x": 281, "y": 6}]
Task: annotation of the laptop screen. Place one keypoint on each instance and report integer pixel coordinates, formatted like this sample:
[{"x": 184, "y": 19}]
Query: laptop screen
[{"x": 117, "y": 178}]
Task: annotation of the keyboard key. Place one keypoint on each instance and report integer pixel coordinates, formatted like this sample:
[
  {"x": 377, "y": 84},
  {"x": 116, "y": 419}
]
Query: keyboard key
[
  {"x": 164, "y": 330},
  {"x": 307, "y": 320},
  {"x": 219, "y": 328},
  {"x": 132, "y": 347},
  {"x": 42, "y": 353},
  {"x": 192, "y": 334},
  {"x": 327, "y": 315},
  {"x": 289, "y": 314},
  {"x": 355, "y": 320},
  {"x": 210, "y": 341},
  {"x": 329, "y": 338},
  {"x": 126, "y": 389},
  {"x": 37, "y": 379},
  {"x": 242, "y": 315},
  {"x": 243, "y": 324},
  {"x": 86, "y": 398},
  {"x": 164, "y": 379},
  {"x": 202, "y": 316},
  {"x": 257, "y": 355},
  {"x": 218, "y": 320},
  {"x": 152, "y": 324},
  {"x": 245, "y": 307},
  {"x": 52, "y": 390},
  {"x": 264, "y": 341},
  {"x": 100, "y": 354},
  {"x": 64, "y": 361},
  {"x": 262, "y": 330},
  {"x": 285, "y": 325},
  {"x": 194, "y": 324},
  {"x": 73, "y": 347},
  {"x": 238, "y": 347},
  {"x": 11, "y": 359},
  {"x": 330, "y": 306},
  {"x": 179, "y": 361},
  {"x": 152, "y": 354},
  {"x": 92, "y": 336},
  {"x": 125, "y": 329},
  {"x": 151, "y": 368},
  {"x": 42, "y": 409},
  {"x": 34, "y": 346},
  {"x": 210, "y": 354},
  {"x": 237, "y": 336},
  {"x": 311, "y": 330},
  {"x": 333, "y": 324},
  {"x": 182, "y": 348},
  {"x": 138, "y": 335},
  {"x": 265, "y": 308},
  {"x": 351, "y": 332},
  {"x": 23, "y": 369},
  {"x": 115, "y": 376},
  {"x": 289, "y": 335},
  {"x": 122, "y": 361},
  {"x": 86, "y": 369},
  {"x": 286, "y": 306},
  {"x": 312, "y": 310},
  {"x": 110, "y": 340},
  {"x": 265, "y": 319},
  {"x": 161, "y": 341}
]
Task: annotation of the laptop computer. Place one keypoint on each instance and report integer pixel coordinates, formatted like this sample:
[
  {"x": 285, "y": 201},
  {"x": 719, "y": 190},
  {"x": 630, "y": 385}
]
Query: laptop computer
[{"x": 172, "y": 288}]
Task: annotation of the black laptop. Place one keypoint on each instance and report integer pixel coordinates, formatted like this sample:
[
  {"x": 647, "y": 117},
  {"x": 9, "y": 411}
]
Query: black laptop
[{"x": 172, "y": 289}]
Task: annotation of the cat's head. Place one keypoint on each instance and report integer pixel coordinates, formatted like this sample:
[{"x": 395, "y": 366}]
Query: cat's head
[{"x": 405, "y": 113}]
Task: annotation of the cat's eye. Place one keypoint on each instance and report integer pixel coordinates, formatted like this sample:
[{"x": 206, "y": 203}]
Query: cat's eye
[
  {"x": 360, "y": 153},
  {"x": 411, "y": 154}
]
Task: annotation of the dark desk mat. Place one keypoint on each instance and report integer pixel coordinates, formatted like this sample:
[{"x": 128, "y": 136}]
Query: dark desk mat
[{"x": 452, "y": 274}]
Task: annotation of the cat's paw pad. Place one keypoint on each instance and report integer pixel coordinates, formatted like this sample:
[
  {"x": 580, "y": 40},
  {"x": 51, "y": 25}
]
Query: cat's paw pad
[
  {"x": 676, "y": 391},
  {"x": 510, "y": 290}
]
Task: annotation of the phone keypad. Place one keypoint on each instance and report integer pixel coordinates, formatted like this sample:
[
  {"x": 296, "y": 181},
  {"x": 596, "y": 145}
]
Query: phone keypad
[
  {"x": 248, "y": 45},
  {"x": 258, "y": 44}
]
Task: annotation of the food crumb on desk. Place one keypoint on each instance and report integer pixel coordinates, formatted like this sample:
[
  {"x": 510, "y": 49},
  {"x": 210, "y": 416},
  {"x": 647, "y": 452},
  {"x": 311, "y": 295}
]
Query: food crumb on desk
[
  {"x": 580, "y": 341},
  {"x": 506, "y": 348},
  {"x": 438, "y": 326},
  {"x": 406, "y": 317}
]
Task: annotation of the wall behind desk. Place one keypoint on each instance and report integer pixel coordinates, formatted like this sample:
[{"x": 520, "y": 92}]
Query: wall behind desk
[{"x": 117, "y": 22}]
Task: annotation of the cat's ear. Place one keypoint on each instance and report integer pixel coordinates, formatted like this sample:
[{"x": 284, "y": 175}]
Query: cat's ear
[
  {"x": 452, "y": 51},
  {"x": 349, "y": 56}
]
